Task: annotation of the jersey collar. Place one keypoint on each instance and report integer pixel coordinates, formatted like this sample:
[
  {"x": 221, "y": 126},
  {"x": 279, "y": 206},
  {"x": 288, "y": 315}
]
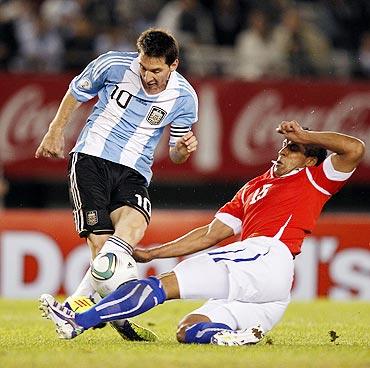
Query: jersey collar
[
  {"x": 293, "y": 172},
  {"x": 135, "y": 66}
]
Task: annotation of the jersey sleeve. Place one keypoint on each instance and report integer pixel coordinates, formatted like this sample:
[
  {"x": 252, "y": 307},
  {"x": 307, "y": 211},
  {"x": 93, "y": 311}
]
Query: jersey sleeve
[
  {"x": 188, "y": 115},
  {"x": 231, "y": 214},
  {"x": 86, "y": 85},
  {"x": 326, "y": 179}
]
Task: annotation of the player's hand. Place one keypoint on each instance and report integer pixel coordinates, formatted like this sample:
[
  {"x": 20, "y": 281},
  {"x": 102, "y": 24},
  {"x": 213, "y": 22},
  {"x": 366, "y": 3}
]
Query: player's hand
[
  {"x": 293, "y": 131},
  {"x": 183, "y": 148},
  {"x": 142, "y": 255},
  {"x": 187, "y": 144},
  {"x": 52, "y": 145}
]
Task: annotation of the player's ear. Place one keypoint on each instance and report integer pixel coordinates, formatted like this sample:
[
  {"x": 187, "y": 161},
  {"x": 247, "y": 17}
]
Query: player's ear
[
  {"x": 311, "y": 161},
  {"x": 174, "y": 65}
]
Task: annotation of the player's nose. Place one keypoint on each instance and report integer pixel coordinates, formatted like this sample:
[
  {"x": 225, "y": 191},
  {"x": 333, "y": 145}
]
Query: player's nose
[{"x": 148, "y": 76}]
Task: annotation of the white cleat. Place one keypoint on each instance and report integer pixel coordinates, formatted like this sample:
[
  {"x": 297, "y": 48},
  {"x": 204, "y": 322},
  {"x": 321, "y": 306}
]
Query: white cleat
[
  {"x": 249, "y": 336},
  {"x": 63, "y": 318}
]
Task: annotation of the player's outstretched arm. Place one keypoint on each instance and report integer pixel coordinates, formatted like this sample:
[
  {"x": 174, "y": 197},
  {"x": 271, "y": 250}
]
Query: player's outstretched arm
[
  {"x": 348, "y": 150},
  {"x": 183, "y": 148},
  {"x": 194, "y": 241},
  {"x": 52, "y": 145}
]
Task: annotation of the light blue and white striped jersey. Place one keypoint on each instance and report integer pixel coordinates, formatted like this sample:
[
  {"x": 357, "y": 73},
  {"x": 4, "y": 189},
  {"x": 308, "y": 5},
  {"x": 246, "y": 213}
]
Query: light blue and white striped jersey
[{"x": 126, "y": 123}]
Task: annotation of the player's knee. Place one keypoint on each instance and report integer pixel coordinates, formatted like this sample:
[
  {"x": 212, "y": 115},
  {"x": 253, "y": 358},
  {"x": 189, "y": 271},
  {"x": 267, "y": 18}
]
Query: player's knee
[
  {"x": 180, "y": 333},
  {"x": 185, "y": 323}
]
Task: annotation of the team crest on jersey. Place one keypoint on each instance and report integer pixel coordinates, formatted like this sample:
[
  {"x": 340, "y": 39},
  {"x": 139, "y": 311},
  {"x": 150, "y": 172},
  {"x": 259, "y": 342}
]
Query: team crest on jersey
[
  {"x": 85, "y": 84},
  {"x": 92, "y": 217},
  {"x": 156, "y": 115}
]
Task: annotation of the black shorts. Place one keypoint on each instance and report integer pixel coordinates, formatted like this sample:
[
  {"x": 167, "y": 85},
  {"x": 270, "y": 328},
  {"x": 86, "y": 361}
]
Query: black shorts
[{"x": 97, "y": 187}]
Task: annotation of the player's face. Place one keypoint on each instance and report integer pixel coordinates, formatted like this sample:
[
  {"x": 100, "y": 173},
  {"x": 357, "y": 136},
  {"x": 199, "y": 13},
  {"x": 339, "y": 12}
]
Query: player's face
[
  {"x": 291, "y": 156},
  {"x": 154, "y": 73}
]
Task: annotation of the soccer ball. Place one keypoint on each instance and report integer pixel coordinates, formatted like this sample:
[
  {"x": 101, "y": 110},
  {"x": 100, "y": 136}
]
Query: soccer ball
[{"x": 110, "y": 270}]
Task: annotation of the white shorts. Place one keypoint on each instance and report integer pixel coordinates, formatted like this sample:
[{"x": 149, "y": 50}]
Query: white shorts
[
  {"x": 248, "y": 281},
  {"x": 242, "y": 315}
]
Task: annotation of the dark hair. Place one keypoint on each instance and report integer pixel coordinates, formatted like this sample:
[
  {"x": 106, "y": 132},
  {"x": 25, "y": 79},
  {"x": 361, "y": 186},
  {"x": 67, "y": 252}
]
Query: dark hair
[
  {"x": 158, "y": 43},
  {"x": 312, "y": 150}
]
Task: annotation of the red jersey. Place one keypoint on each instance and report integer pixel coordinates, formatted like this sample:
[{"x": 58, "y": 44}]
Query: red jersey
[{"x": 285, "y": 207}]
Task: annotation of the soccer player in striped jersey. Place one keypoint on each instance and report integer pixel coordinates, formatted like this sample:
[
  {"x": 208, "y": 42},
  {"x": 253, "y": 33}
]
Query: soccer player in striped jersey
[
  {"x": 247, "y": 282},
  {"x": 139, "y": 94}
]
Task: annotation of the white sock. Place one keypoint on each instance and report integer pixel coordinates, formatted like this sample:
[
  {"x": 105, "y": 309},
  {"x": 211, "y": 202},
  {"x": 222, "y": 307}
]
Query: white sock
[
  {"x": 85, "y": 288},
  {"x": 96, "y": 297},
  {"x": 114, "y": 243}
]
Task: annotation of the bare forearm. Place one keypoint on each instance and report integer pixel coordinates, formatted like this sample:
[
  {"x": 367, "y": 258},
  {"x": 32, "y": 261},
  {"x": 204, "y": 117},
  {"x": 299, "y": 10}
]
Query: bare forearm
[
  {"x": 189, "y": 243},
  {"x": 68, "y": 105},
  {"x": 52, "y": 145},
  {"x": 348, "y": 150},
  {"x": 194, "y": 241},
  {"x": 341, "y": 144}
]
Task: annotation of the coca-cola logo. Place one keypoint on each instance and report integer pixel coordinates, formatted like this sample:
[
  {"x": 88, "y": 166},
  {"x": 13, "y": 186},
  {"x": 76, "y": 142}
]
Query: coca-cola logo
[
  {"x": 254, "y": 138},
  {"x": 24, "y": 119},
  {"x": 249, "y": 134}
]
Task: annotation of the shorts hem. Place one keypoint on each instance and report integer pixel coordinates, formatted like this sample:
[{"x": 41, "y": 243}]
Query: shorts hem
[
  {"x": 86, "y": 233},
  {"x": 135, "y": 207}
]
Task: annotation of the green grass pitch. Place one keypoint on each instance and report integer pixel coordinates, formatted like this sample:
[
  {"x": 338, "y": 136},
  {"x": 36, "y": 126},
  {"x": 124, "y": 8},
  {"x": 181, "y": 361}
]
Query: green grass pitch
[{"x": 301, "y": 339}]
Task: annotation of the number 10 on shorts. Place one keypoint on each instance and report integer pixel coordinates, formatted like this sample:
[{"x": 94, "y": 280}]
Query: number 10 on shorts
[{"x": 144, "y": 203}]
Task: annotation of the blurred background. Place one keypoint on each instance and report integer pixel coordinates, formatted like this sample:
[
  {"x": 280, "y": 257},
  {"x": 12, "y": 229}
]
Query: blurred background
[
  {"x": 253, "y": 63},
  {"x": 279, "y": 57}
]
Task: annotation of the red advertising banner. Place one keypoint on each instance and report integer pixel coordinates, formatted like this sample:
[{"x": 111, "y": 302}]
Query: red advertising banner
[
  {"x": 40, "y": 252},
  {"x": 236, "y": 128}
]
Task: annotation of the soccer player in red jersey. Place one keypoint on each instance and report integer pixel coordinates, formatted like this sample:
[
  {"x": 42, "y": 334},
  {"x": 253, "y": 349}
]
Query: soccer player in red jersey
[{"x": 248, "y": 282}]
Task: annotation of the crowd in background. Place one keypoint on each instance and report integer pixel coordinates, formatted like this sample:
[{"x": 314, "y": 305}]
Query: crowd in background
[
  {"x": 240, "y": 39},
  {"x": 246, "y": 39}
]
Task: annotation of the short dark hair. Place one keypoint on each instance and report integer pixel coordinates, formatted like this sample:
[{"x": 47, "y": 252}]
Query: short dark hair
[
  {"x": 156, "y": 42},
  {"x": 313, "y": 150}
]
